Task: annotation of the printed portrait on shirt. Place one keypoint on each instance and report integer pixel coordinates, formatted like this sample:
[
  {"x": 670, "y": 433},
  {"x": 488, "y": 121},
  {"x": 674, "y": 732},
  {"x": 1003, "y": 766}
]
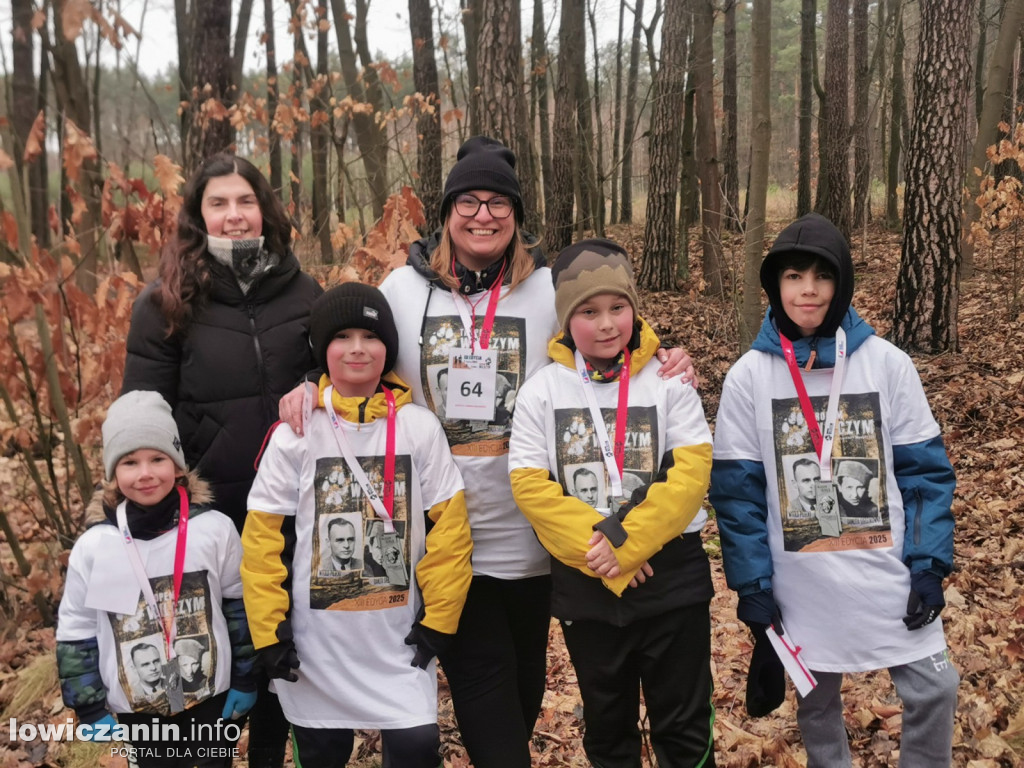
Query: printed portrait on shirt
[
  {"x": 581, "y": 468},
  {"x": 142, "y": 647},
  {"x": 849, "y": 511},
  {"x": 443, "y": 339},
  {"x": 346, "y": 574}
]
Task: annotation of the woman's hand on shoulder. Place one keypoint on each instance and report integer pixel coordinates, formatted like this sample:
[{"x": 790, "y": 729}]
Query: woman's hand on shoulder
[
  {"x": 676, "y": 362},
  {"x": 292, "y": 409}
]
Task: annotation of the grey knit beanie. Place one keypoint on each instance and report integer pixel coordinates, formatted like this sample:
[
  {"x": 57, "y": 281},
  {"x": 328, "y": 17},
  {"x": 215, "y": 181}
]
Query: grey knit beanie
[{"x": 137, "y": 420}]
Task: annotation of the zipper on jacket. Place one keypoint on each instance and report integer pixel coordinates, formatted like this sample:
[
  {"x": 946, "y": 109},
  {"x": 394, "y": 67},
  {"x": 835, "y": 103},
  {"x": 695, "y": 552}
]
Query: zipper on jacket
[
  {"x": 812, "y": 355},
  {"x": 260, "y": 363},
  {"x": 917, "y": 517},
  {"x": 362, "y": 410}
]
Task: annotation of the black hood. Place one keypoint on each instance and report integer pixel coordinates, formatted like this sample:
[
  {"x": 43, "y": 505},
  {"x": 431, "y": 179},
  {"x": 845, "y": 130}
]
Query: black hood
[
  {"x": 814, "y": 235},
  {"x": 469, "y": 281}
]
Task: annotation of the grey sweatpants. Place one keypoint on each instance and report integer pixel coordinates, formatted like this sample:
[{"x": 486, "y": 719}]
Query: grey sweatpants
[{"x": 927, "y": 687}]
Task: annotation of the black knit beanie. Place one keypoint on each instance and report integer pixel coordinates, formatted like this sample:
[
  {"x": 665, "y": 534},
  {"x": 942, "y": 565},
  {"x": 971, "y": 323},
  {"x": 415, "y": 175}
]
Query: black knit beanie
[
  {"x": 483, "y": 163},
  {"x": 352, "y": 305}
]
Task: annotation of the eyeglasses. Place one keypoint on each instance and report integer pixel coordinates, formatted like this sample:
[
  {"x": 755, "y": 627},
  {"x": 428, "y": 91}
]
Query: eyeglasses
[{"x": 499, "y": 207}]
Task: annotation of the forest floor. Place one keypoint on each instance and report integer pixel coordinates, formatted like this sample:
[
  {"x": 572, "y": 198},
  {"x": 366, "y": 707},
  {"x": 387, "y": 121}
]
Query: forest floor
[{"x": 977, "y": 395}]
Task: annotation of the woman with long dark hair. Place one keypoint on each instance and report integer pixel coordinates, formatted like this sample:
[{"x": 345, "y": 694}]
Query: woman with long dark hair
[{"x": 222, "y": 334}]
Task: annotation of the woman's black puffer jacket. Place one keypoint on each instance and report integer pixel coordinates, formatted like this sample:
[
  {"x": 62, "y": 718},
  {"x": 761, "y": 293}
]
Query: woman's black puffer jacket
[{"x": 224, "y": 374}]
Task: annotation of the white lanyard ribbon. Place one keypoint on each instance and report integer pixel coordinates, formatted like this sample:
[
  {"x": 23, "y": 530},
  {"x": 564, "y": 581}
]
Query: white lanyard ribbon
[
  {"x": 822, "y": 441},
  {"x": 607, "y": 449},
  {"x": 353, "y": 464},
  {"x": 168, "y": 625},
  {"x": 832, "y": 412}
]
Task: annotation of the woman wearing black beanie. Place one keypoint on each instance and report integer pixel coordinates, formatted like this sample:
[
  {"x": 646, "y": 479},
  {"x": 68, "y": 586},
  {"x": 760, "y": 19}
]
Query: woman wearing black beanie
[{"x": 480, "y": 270}]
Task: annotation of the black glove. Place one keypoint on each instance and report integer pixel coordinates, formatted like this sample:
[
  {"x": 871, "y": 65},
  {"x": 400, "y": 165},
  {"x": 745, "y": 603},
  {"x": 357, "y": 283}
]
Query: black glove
[
  {"x": 926, "y": 600},
  {"x": 766, "y": 680},
  {"x": 759, "y": 610},
  {"x": 280, "y": 660},
  {"x": 429, "y": 643}
]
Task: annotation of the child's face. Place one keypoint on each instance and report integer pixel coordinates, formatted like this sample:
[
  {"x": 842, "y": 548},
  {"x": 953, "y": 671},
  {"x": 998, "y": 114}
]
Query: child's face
[
  {"x": 355, "y": 361},
  {"x": 806, "y": 296},
  {"x": 146, "y": 476},
  {"x": 601, "y": 327}
]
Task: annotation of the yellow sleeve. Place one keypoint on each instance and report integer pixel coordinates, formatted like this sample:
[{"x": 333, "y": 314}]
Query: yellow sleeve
[
  {"x": 670, "y": 505},
  {"x": 564, "y": 524},
  {"x": 264, "y": 571},
  {"x": 445, "y": 570}
]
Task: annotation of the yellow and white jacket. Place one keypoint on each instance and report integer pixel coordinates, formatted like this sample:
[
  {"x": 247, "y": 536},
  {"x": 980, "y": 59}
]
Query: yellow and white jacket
[
  {"x": 666, "y": 473},
  {"x": 349, "y": 622}
]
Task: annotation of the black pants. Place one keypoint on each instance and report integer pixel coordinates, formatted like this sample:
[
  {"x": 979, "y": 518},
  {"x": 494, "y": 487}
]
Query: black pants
[
  {"x": 669, "y": 655},
  {"x": 417, "y": 747},
  {"x": 198, "y": 745},
  {"x": 497, "y": 668},
  {"x": 268, "y": 727}
]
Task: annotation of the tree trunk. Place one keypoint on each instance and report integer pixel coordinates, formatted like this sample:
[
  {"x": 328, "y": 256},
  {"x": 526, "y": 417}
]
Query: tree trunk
[
  {"x": 834, "y": 195},
  {"x": 273, "y": 137},
  {"x": 808, "y": 55},
  {"x": 730, "y": 127},
  {"x": 996, "y": 87},
  {"x": 979, "y": 56},
  {"x": 899, "y": 106},
  {"x": 184, "y": 24},
  {"x": 320, "y": 142},
  {"x": 472, "y": 12},
  {"x": 500, "y": 95},
  {"x": 72, "y": 96},
  {"x": 617, "y": 117},
  {"x": 927, "y": 287},
  {"x": 369, "y": 136},
  {"x": 629, "y": 126},
  {"x": 861, "y": 140},
  {"x": 540, "y": 68},
  {"x": 209, "y": 132},
  {"x": 24, "y": 108},
  {"x": 707, "y": 151},
  {"x": 559, "y": 204},
  {"x": 760, "y": 149},
  {"x": 238, "y": 55},
  {"x": 296, "y": 150},
  {"x": 597, "y": 196},
  {"x": 658, "y": 266},
  {"x": 688, "y": 193},
  {"x": 428, "y": 124}
]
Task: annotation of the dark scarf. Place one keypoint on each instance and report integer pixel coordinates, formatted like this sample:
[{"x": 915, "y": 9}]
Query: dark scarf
[
  {"x": 245, "y": 258},
  {"x": 471, "y": 281},
  {"x": 147, "y": 523}
]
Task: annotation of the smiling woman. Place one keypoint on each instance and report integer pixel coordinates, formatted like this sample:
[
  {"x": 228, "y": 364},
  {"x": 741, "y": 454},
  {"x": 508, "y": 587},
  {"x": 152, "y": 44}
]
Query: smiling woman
[{"x": 222, "y": 334}]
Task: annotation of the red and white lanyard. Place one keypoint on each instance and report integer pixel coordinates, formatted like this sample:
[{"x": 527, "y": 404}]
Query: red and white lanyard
[
  {"x": 170, "y": 629},
  {"x": 822, "y": 443},
  {"x": 468, "y": 315},
  {"x": 613, "y": 455},
  {"x": 383, "y": 507}
]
